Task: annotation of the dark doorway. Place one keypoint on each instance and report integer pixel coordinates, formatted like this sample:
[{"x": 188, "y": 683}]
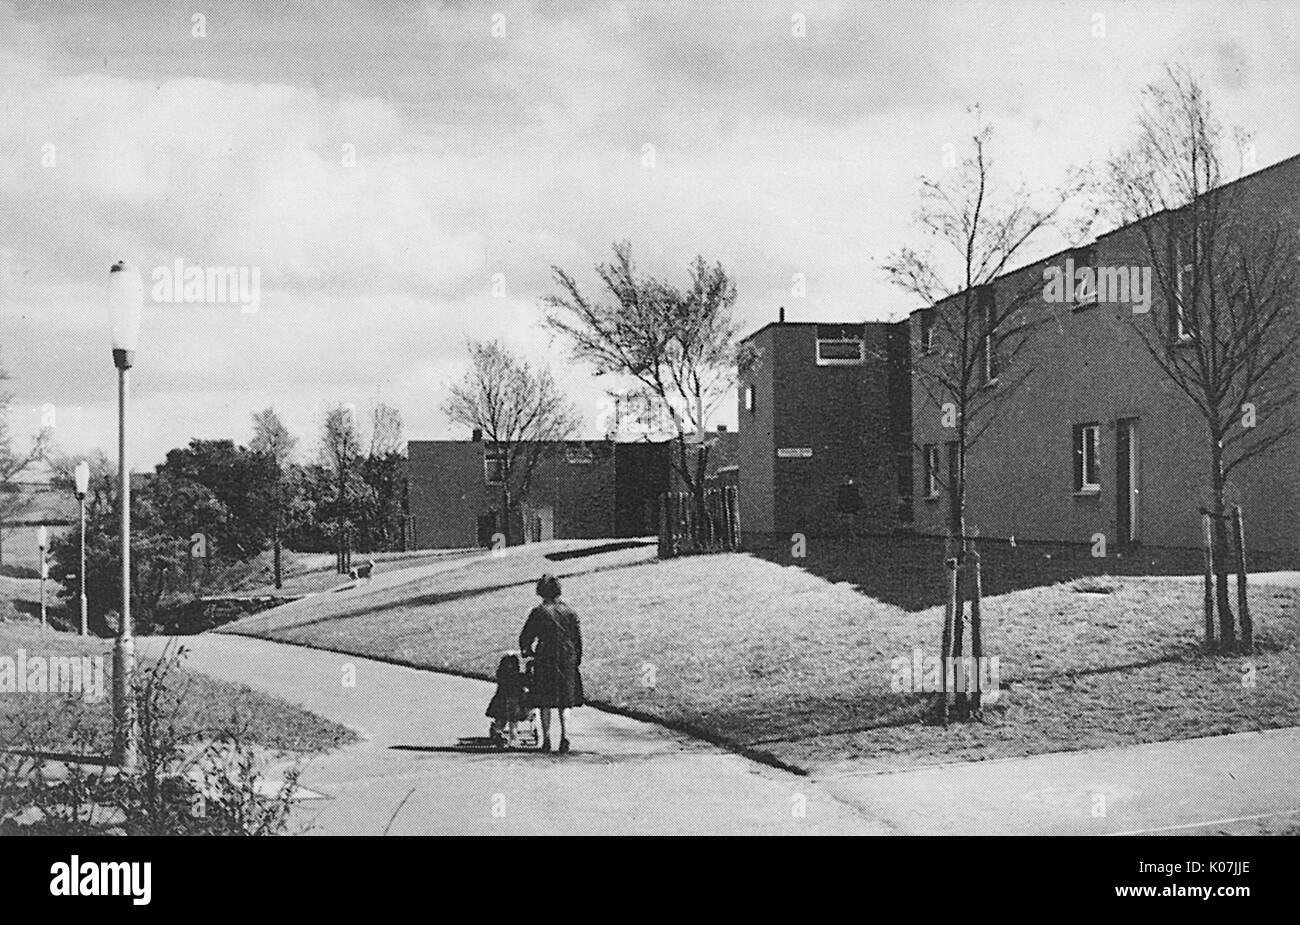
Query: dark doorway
[{"x": 487, "y": 526}]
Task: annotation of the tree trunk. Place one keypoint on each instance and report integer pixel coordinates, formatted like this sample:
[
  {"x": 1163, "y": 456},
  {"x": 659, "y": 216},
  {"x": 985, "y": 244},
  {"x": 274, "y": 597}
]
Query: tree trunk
[
  {"x": 976, "y": 640},
  {"x": 1227, "y": 628},
  {"x": 960, "y": 701},
  {"x": 1243, "y": 606},
  {"x": 505, "y": 511},
  {"x": 275, "y": 554}
]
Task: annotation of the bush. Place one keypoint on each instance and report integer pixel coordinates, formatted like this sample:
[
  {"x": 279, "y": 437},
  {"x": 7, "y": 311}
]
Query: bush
[{"x": 209, "y": 784}]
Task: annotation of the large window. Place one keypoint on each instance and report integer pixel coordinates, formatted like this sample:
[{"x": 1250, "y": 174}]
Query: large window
[
  {"x": 840, "y": 345},
  {"x": 926, "y": 316},
  {"x": 1087, "y": 446},
  {"x": 1187, "y": 246},
  {"x": 987, "y": 301},
  {"x": 931, "y": 471},
  {"x": 1085, "y": 289},
  {"x": 1180, "y": 326},
  {"x": 494, "y": 465}
]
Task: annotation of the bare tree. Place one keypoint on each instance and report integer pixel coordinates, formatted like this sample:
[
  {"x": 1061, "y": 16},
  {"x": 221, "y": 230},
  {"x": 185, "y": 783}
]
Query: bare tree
[
  {"x": 272, "y": 438},
  {"x": 385, "y": 431},
  {"x": 974, "y": 330},
  {"x": 521, "y": 413},
  {"x": 341, "y": 449},
  {"x": 1225, "y": 329},
  {"x": 681, "y": 346}
]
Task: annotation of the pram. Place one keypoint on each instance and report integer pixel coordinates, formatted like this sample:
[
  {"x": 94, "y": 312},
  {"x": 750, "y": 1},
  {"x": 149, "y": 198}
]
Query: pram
[{"x": 514, "y": 719}]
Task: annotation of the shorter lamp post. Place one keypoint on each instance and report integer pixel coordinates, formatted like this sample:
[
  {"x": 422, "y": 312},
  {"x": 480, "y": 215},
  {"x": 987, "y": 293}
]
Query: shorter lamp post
[
  {"x": 42, "y": 540},
  {"x": 83, "y": 485}
]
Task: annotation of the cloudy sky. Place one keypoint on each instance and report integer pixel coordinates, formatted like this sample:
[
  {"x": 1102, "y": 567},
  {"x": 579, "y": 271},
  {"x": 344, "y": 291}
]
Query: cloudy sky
[{"x": 383, "y": 164}]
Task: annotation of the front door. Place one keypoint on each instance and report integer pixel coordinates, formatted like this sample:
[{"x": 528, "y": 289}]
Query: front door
[{"x": 1128, "y": 474}]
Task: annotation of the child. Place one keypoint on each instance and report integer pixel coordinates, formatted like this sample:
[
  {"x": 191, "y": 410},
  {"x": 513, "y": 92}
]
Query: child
[{"x": 509, "y": 704}]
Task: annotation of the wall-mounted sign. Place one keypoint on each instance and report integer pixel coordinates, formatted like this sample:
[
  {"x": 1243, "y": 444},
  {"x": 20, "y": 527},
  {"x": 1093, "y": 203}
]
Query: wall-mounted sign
[{"x": 794, "y": 452}]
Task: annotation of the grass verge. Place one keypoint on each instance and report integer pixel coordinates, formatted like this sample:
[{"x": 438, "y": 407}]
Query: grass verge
[
  {"x": 773, "y": 660},
  {"x": 207, "y": 705}
]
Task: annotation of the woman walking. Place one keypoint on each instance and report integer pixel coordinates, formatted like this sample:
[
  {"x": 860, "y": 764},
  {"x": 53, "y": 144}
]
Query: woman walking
[{"x": 553, "y": 637}]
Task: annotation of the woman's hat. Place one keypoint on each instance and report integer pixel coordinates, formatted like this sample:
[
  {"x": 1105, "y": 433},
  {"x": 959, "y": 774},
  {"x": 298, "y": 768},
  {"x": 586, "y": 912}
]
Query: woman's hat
[{"x": 548, "y": 586}]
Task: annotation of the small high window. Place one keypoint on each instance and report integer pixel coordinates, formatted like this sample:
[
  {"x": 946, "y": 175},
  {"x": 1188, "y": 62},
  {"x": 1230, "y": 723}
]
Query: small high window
[
  {"x": 749, "y": 398},
  {"x": 840, "y": 345}
]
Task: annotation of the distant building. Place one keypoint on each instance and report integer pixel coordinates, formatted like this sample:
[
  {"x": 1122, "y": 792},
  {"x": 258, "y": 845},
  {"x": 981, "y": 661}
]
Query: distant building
[{"x": 581, "y": 489}]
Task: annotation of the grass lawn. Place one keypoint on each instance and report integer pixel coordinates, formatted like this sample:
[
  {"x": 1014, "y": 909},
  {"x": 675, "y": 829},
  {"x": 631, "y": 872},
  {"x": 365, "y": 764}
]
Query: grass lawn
[
  {"x": 311, "y": 572},
  {"x": 773, "y": 659},
  {"x": 207, "y": 705}
]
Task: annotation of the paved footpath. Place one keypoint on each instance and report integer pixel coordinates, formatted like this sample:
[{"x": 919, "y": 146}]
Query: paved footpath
[
  {"x": 625, "y": 777},
  {"x": 1190, "y": 787},
  {"x": 629, "y": 777}
]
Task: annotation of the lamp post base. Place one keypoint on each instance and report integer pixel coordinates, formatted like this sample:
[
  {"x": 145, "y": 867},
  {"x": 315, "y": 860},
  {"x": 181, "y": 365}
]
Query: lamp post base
[{"x": 125, "y": 731}]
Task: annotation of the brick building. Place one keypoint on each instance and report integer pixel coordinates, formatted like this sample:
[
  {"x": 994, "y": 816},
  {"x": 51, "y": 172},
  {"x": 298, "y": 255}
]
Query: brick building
[
  {"x": 1097, "y": 440},
  {"x": 581, "y": 489},
  {"x": 824, "y": 417}
]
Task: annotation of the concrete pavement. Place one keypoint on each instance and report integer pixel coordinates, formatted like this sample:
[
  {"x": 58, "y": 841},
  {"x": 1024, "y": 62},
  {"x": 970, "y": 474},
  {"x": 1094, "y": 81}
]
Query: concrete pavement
[
  {"x": 629, "y": 777},
  {"x": 624, "y": 778},
  {"x": 1191, "y": 786}
]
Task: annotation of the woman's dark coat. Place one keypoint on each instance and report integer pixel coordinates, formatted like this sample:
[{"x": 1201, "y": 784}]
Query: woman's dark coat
[{"x": 554, "y": 637}]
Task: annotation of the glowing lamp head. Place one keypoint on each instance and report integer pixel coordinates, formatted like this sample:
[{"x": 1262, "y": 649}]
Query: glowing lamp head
[
  {"x": 82, "y": 475},
  {"x": 42, "y": 537},
  {"x": 125, "y": 305}
]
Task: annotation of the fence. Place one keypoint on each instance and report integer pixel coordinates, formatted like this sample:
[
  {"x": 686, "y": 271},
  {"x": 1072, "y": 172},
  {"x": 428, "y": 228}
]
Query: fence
[{"x": 685, "y": 529}]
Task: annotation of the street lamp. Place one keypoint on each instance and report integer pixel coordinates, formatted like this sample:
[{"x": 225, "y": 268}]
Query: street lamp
[
  {"x": 43, "y": 540},
  {"x": 125, "y": 305},
  {"x": 82, "y": 476}
]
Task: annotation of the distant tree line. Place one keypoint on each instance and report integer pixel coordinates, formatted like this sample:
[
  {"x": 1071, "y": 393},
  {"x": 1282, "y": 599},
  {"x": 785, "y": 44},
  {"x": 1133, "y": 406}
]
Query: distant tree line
[{"x": 214, "y": 506}]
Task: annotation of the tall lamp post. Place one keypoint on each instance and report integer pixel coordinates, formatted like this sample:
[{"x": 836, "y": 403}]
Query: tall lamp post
[
  {"x": 43, "y": 540},
  {"x": 125, "y": 304},
  {"x": 82, "y": 476}
]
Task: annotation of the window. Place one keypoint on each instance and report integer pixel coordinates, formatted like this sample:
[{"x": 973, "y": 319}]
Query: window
[
  {"x": 954, "y": 470},
  {"x": 749, "y": 399},
  {"x": 931, "y": 470},
  {"x": 1087, "y": 445},
  {"x": 1085, "y": 289},
  {"x": 1186, "y": 278},
  {"x": 1186, "y": 246},
  {"x": 986, "y": 301},
  {"x": 494, "y": 465},
  {"x": 578, "y": 455},
  {"x": 927, "y": 330},
  {"x": 840, "y": 345}
]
